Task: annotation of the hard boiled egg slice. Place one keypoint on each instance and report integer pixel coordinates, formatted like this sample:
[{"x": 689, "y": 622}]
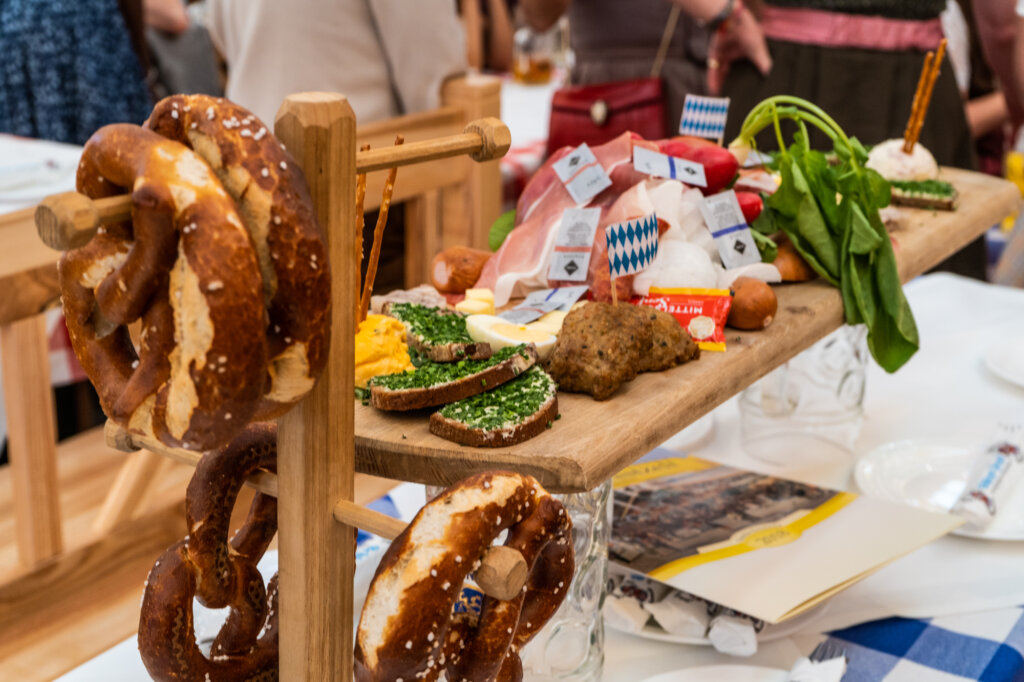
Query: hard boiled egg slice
[{"x": 501, "y": 333}]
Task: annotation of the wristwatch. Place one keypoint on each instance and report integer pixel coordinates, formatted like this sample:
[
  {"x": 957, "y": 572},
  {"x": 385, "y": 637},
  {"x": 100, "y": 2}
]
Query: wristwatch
[{"x": 716, "y": 21}]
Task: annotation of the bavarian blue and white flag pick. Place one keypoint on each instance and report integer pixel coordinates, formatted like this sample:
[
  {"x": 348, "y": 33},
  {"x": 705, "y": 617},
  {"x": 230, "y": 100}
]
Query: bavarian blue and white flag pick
[
  {"x": 632, "y": 245},
  {"x": 704, "y": 116}
]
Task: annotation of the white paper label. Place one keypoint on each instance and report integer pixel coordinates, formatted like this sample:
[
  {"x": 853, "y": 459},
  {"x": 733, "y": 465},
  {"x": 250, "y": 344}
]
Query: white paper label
[
  {"x": 574, "y": 162},
  {"x": 563, "y": 297},
  {"x": 588, "y": 183},
  {"x": 522, "y": 314},
  {"x": 573, "y": 244},
  {"x": 539, "y": 303},
  {"x": 732, "y": 236},
  {"x": 582, "y": 175},
  {"x": 665, "y": 166}
]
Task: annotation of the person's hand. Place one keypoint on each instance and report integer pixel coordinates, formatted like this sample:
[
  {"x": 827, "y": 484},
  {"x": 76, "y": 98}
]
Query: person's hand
[{"x": 740, "y": 36}]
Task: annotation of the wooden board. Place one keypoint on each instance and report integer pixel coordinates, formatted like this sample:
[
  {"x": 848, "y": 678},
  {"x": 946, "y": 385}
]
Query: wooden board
[{"x": 593, "y": 440}]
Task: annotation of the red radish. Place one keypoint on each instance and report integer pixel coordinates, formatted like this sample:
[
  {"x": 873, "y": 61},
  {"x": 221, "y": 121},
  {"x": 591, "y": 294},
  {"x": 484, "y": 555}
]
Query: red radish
[{"x": 751, "y": 205}]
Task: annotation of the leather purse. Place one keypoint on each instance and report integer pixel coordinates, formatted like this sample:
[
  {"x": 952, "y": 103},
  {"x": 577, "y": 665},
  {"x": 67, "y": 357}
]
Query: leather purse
[{"x": 597, "y": 113}]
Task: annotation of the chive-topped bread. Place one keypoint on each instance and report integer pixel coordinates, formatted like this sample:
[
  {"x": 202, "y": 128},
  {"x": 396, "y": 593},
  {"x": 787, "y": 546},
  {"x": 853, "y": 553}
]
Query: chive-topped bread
[
  {"x": 511, "y": 413},
  {"x": 437, "y": 383},
  {"x": 924, "y": 194},
  {"x": 437, "y": 333}
]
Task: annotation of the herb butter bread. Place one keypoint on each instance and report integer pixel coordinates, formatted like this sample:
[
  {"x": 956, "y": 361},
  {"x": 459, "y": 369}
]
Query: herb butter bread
[
  {"x": 511, "y": 413},
  {"x": 438, "y": 334},
  {"x": 434, "y": 384},
  {"x": 934, "y": 194}
]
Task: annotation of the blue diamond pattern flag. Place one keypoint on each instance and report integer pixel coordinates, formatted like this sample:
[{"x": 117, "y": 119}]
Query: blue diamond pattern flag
[
  {"x": 704, "y": 116},
  {"x": 632, "y": 245}
]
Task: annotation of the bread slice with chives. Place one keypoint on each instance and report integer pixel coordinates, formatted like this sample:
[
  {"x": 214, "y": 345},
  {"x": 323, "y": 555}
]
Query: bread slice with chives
[
  {"x": 435, "y": 383},
  {"x": 934, "y": 194},
  {"x": 511, "y": 413},
  {"x": 437, "y": 333}
]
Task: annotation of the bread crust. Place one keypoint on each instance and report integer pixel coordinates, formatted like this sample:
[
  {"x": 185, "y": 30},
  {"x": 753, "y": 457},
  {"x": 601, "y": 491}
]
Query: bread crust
[
  {"x": 186, "y": 268},
  {"x": 407, "y": 630},
  {"x": 417, "y": 398},
  {"x": 937, "y": 203},
  {"x": 274, "y": 204},
  {"x": 458, "y": 432},
  {"x": 217, "y": 572},
  {"x": 448, "y": 352}
]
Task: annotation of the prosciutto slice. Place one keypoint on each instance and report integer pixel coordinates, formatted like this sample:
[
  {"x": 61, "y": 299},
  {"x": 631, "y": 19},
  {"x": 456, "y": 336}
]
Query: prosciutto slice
[{"x": 523, "y": 261}]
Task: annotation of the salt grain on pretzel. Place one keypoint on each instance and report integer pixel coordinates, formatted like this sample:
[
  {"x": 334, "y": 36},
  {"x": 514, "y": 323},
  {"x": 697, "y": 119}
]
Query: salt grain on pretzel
[
  {"x": 162, "y": 268},
  {"x": 219, "y": 573},
  {"x": 408, "y": 631},
  {"x": 275, "y": 206}
]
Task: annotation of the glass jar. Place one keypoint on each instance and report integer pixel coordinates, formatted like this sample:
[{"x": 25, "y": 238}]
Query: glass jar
[
  {"x": 570, "y": 647},
  {"x": 809, "y": 410}
]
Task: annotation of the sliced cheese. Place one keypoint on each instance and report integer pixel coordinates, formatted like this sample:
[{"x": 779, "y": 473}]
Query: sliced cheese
[
  {"x": 480, "y": 295},
  {"x": 472, "y": 306}
]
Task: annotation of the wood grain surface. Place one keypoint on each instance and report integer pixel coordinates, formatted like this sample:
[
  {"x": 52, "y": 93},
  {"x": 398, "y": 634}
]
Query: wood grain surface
[
  {"x": 314, "y": 440},
  {"x": 594, "y": 440}
]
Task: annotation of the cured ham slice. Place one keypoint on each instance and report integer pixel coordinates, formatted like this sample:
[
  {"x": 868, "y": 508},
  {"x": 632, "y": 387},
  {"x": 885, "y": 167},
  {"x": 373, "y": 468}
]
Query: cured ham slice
[{"x": 523, "y": 261}]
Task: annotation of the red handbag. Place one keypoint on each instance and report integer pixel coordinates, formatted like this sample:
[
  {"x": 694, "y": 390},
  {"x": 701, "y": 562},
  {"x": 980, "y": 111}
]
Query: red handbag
[{"x": 597, "y": 113}]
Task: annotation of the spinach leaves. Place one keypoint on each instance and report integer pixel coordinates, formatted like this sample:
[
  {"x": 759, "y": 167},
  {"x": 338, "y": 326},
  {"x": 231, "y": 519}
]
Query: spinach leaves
[{"x": 830, "y": 213}]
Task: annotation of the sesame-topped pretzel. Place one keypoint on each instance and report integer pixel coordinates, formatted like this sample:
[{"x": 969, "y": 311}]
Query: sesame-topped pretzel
[
  {"x": 274, "y": 203},
  {"x": 407, "y": 631},
  {"x": 205, "y": 565},
  {"x": 185, "y": 267}
]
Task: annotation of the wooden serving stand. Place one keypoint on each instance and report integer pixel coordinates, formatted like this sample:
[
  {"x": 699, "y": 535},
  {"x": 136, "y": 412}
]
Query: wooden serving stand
[{"x": 328, "y": 437}]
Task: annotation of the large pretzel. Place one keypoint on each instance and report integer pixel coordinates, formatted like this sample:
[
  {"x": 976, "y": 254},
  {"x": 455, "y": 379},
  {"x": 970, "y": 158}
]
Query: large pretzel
[
  {"x": 185, "y": 266},
  {"x": 275, "y": 207},
  {"x": 407, "y": 630},
  {"x": 206, "y": 566}
]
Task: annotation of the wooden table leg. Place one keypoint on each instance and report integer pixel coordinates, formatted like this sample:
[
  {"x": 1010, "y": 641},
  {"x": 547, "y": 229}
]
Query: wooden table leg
[
  {"x": 32, "y": 439},
  {"x": 129, "y": 489}
]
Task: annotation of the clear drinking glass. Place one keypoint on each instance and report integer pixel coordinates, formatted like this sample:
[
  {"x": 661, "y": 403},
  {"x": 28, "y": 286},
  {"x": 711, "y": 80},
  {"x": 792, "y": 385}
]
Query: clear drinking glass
[
  {"x": 570, "y": 647},
  {"x": 809, "y": 410}
]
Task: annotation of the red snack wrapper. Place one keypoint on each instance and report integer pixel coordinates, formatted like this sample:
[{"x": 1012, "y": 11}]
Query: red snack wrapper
[{"x": 701, "y": 312}]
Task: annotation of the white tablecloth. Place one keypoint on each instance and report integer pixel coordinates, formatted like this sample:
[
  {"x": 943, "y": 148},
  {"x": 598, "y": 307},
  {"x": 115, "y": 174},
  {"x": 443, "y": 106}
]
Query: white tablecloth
[{"x": 944, "y": 390}]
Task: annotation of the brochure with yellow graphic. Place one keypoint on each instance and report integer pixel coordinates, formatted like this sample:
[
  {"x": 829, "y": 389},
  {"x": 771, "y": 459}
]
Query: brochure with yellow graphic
[{"x": 766, "y": 546}]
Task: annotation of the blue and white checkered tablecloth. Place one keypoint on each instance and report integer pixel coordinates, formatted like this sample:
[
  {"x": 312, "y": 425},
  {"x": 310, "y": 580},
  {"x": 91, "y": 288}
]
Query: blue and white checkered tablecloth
[{"x": 987, "y": 646}]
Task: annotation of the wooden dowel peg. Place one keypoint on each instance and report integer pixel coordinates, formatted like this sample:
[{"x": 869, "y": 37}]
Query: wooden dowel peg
[
  {"x": 69, "y": 220},
  {"x": 495, "y": 138},
  {"x": 484, "y": 139},
  {"x": 502, "y": 571}
]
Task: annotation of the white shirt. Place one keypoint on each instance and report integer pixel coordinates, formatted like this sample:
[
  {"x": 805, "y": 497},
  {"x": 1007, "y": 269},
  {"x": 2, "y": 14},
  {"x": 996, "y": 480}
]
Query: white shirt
[{"x": 386, "y": 56}]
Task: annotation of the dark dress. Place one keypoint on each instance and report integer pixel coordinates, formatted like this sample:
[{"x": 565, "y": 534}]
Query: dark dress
[
  {"x": 67, "y": 68},
  {"x": 868, "y": 92},
  {"x": 616, "y": 40}
]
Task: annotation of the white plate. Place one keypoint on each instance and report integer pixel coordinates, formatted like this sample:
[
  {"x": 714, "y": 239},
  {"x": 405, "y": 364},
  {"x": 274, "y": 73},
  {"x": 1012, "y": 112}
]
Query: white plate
[
  {"x": 770, "y": 632},
  {"x": 1006, "y": 361},
  {"x": 722, "y": 673},
  {"x": 932, "y": 474}
]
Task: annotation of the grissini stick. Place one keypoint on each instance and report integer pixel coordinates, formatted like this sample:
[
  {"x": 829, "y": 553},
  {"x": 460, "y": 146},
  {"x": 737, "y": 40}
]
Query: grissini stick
[
  {"x": 926, "y": 97},
  {"x": 360, "y": 218},
  {"x": 908, "y": 132},
  {"x": 378, "y": 238}
]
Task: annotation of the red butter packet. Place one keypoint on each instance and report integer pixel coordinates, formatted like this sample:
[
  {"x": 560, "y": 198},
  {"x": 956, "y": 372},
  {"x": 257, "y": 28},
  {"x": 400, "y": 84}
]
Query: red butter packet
[{"x": 701, "y": 312}]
